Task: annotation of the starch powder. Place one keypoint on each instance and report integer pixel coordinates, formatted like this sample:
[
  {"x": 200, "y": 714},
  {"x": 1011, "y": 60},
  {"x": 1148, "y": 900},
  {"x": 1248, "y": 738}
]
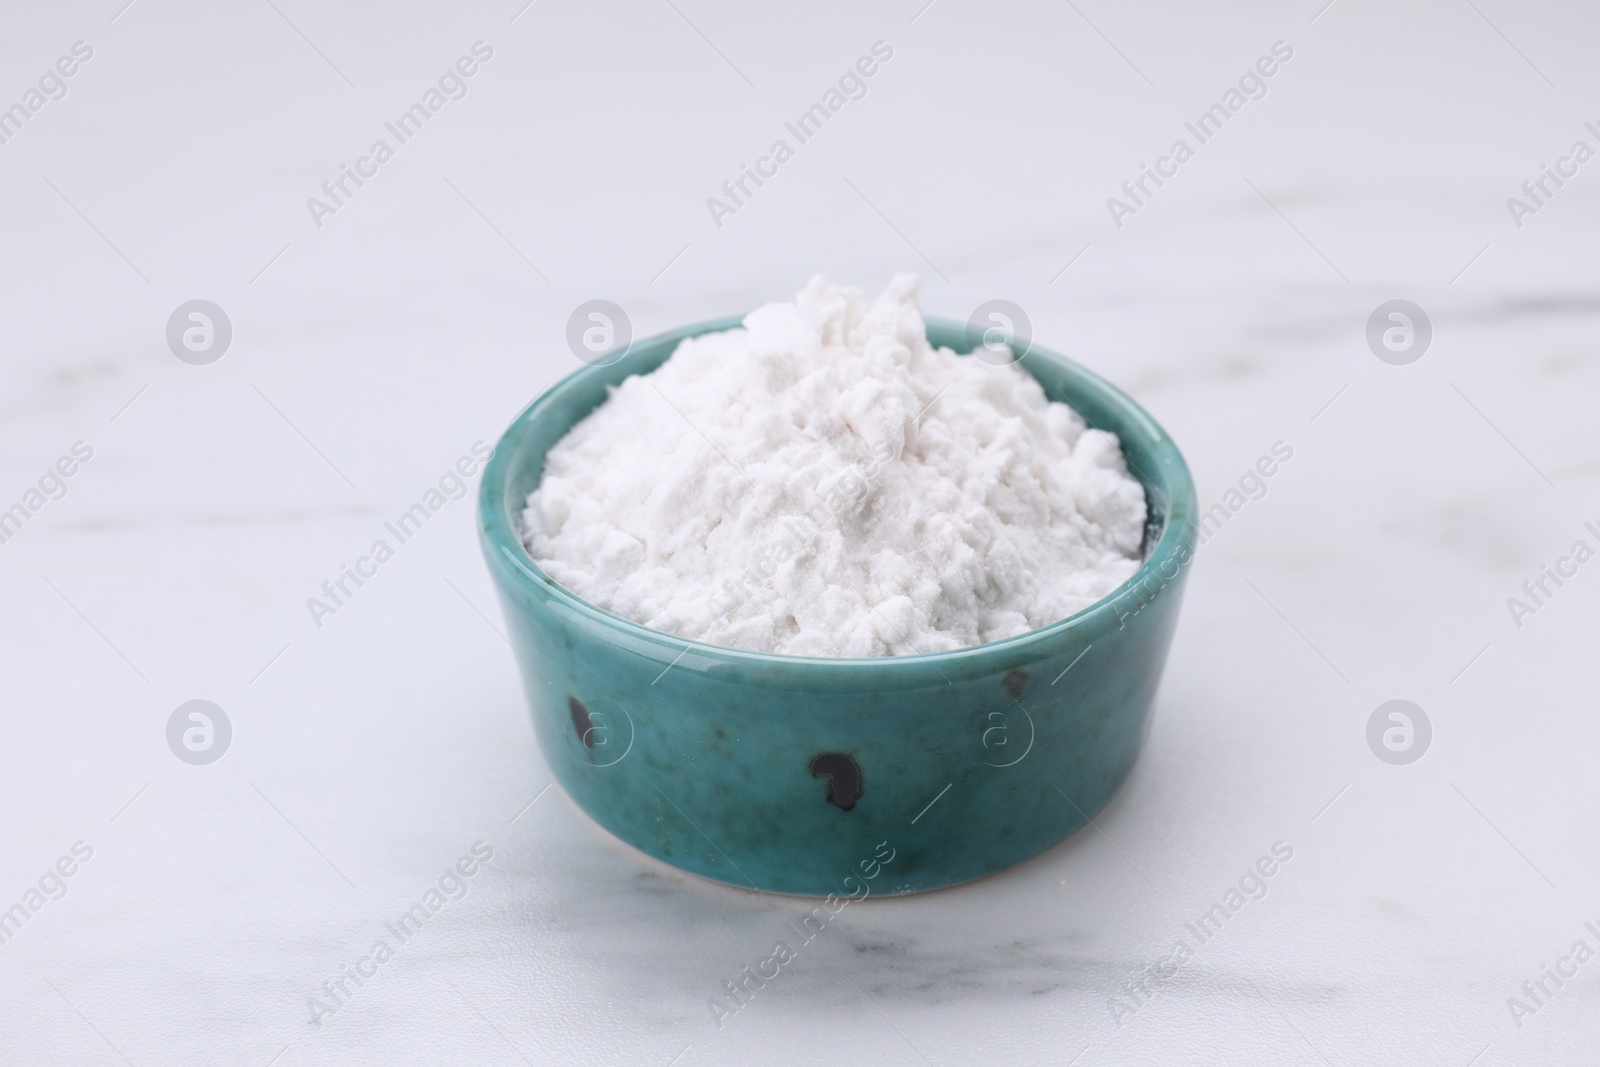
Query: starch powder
[{"x": 824, "y": 482}]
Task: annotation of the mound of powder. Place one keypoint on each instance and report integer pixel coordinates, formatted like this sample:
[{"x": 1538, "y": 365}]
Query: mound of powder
[{"x": 824, "y": 482}]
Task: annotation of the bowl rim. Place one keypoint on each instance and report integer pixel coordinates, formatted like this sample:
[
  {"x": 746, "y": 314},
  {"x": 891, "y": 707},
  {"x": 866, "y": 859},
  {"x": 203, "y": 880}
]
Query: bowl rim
[{"x": 501, "y": 537}]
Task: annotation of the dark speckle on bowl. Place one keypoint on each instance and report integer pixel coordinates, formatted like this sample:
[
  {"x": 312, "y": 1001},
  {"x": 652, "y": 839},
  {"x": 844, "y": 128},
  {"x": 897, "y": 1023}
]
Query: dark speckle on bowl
[
  {"x": 1015, "y": 682},
  {"x": 844, "y": 778},
  {"x": 581, "y": 721}
]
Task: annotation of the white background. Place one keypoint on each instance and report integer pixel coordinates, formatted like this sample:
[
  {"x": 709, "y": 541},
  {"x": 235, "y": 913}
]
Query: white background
[{"x": 370, "y": 353}]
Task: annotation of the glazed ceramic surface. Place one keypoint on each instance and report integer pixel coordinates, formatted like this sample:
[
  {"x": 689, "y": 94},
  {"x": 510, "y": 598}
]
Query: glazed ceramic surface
[{"x": 848, "y": 777}]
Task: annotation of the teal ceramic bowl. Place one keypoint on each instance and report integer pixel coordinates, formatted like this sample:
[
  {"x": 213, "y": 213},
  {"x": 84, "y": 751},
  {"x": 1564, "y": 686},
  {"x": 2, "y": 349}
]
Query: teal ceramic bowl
[{"x": 839, "y": 776}]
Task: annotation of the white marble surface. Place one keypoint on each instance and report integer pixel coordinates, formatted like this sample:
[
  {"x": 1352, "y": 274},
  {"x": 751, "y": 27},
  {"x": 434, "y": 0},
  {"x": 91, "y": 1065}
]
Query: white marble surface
[{"x": 369, "y": 754}]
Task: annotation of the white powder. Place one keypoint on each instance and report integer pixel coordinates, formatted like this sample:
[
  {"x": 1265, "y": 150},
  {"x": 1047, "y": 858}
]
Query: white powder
[{"x": 823, "y": 482}]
